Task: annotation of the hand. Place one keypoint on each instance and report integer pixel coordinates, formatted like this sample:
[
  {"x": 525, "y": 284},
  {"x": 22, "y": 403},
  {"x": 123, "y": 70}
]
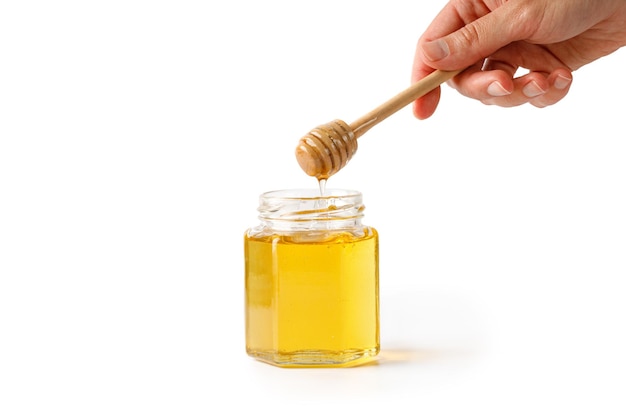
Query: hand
[{"x": 493, "y": 39}]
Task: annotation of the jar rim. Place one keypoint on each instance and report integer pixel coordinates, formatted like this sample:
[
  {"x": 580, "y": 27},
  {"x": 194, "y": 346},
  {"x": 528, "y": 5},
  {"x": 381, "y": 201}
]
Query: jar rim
[
  {"x": 308, "y": 208},
  {"x": 310, "y": 194}
]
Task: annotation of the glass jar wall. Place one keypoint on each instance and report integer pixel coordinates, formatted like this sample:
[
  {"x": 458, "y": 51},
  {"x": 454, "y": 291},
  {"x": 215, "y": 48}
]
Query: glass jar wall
[{"x": 311, "y": 280}]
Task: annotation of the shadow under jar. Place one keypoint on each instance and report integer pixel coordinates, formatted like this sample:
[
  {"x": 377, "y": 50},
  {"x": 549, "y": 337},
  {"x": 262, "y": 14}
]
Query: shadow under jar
[{"x": 311, "y": 280}]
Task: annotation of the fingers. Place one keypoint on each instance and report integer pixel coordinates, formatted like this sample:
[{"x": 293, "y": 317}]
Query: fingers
[
  {"x": 425, "y": 106},
  {"x": 499, "y": 87},
  {"x": 452, "y": 42},
  {"x": 465, "y": 32}
]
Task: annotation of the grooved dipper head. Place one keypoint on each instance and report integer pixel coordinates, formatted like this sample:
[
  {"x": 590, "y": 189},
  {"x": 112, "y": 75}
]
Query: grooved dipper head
[{"x": 326, "y": 149}]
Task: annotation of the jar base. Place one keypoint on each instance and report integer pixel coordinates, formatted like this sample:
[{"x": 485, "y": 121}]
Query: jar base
[{"x": 316, "y": 358}]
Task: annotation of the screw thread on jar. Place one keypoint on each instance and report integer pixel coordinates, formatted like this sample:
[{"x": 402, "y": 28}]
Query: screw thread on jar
[{"x": 302, "y": 210}]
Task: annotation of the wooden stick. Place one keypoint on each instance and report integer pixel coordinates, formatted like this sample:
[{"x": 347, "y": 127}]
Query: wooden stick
[
  {"x": 404, "y": 98},
  {"x": 328, "y": 148}
]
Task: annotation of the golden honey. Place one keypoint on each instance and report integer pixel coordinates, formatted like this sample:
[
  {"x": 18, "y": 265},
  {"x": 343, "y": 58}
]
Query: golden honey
[{"x": 311, "y": 281}]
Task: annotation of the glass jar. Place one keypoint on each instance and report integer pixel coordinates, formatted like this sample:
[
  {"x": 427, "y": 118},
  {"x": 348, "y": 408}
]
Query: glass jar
[{"x": 311, "y": 280}]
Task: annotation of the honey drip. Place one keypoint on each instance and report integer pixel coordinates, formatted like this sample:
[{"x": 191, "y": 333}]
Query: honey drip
[{"x": 322, "y": 184}]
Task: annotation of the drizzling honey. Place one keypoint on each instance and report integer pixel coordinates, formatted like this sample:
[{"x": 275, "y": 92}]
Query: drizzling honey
[{"x": 322, "y": 184}]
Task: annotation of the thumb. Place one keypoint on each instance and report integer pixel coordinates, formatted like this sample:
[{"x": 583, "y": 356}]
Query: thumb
[{"x": 474, "y": 41}]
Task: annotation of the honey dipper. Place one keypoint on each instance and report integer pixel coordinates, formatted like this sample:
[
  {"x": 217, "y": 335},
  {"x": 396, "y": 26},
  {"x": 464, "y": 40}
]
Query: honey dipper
[{"x": 328, "y": 148}]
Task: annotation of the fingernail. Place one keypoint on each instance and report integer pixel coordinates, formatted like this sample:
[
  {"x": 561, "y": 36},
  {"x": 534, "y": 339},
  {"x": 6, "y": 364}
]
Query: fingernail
[
  {"x": 532, "y": 89},
  {"x": 495, "y": 89},
  {"x": 562, "y": 82},
  {"x": 436, "y": 50}
]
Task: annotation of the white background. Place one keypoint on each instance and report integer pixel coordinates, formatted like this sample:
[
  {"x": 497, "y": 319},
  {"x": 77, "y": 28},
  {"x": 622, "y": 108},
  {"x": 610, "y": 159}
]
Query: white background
[{"x": 136, "y": 136}]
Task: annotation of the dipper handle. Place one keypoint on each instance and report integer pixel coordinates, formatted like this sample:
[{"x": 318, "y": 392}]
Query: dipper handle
[
  {"x": 402, "y": 99},
  {"x": 328, "y": 148}
]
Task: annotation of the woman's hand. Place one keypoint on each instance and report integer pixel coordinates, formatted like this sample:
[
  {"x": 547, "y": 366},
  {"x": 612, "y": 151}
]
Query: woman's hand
[{"x": 493, "y": 39}]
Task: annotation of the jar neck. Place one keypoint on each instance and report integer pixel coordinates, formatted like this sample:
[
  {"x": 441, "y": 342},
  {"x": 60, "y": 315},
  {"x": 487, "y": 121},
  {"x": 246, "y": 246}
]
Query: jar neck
[{"x": 307, "y": 210}]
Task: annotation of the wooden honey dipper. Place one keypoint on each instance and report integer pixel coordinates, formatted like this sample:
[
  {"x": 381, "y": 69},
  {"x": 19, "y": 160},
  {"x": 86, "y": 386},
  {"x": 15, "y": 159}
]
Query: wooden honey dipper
[{"x": 328, "y": 148}]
